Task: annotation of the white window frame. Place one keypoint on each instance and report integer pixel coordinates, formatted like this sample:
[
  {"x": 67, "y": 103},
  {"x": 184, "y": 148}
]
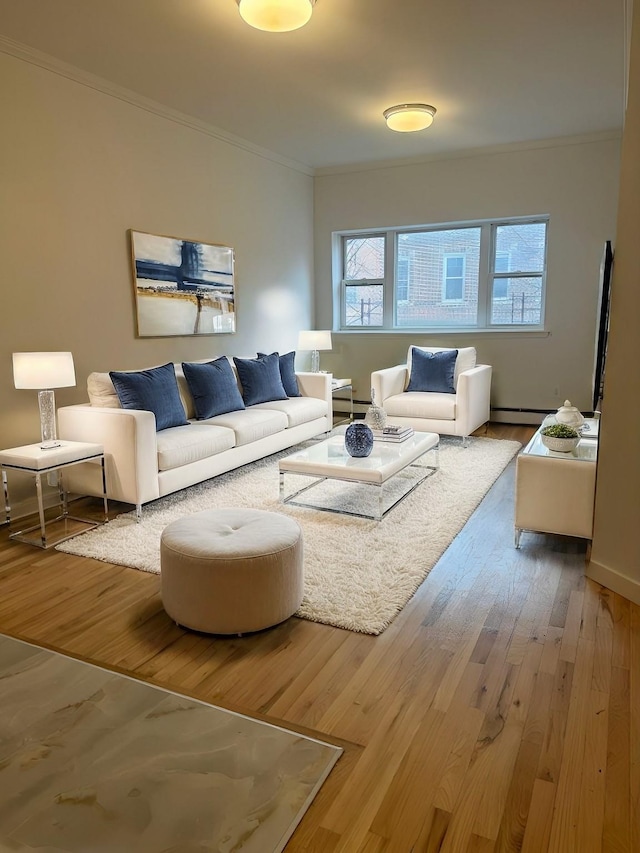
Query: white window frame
[
  {"x": 514, "y": 274},
  {"x": 486, "y": 277},
  {"x": 361, "y": 282}
]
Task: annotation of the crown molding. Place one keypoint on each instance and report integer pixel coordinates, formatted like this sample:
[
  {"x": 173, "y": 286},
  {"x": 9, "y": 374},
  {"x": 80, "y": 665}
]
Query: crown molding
[
  {"x": 463, "y": 154},
  {"x": 99, "y": 84},
  {"x": 63, "y": 69}
]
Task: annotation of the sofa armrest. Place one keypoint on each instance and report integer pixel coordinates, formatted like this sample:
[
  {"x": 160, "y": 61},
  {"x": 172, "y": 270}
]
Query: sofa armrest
[
  {"x": 317, "y": 385},
  {"x": 388, "y": 382},
  {"x": 129, "y": 440},
  {"x": 473, "y": 398}
]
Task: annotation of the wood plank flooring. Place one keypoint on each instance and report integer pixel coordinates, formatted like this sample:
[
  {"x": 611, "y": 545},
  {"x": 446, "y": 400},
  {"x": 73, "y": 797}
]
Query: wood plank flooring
[{"x": 500, "y": 711}]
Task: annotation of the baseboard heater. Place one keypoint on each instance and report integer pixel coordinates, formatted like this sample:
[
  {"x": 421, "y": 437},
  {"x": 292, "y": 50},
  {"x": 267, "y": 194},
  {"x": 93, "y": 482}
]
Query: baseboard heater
[
  {"x": 526, "y": 411},
  {"x": 533, "y": 411}
]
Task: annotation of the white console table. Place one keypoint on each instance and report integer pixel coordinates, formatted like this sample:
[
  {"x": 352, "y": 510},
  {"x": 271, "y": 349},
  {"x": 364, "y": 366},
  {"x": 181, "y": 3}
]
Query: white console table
[
  {"x": 555, "y": 491},
  {"x": 32, "y": 459}
]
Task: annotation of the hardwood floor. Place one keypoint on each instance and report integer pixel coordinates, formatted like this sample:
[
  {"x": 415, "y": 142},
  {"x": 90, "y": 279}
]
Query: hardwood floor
[{"x": 500, "y": 711}]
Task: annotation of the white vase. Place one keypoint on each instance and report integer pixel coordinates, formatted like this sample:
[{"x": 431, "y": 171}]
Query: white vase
[{"x": 569, "y": 415}]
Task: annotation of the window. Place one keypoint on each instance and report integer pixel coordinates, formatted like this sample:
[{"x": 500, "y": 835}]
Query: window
[
  {"x": 469, "y": 275},
  {"x": 518, "y": 273},
  {"x": 442, "y": 281},
  {"x": 402, "y": 280},
  {"x": 364, "y": 267},
  {"x": 453, "y": 278},
  {"x": 501, "y": 264}
]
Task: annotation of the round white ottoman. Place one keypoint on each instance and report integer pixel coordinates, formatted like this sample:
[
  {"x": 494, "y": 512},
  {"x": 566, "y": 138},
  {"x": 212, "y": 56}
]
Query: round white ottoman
[{"x": 231, "y": 571}]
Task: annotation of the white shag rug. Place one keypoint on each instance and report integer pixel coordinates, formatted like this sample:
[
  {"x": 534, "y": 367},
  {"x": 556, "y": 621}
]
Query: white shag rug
[{"x": 359, "y": 574}]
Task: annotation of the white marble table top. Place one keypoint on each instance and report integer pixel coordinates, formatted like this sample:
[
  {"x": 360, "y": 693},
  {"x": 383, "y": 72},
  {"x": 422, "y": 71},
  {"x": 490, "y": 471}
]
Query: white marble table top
[
  {"x": 329, "y": 458},
  {"x": 94, "y": 761}
]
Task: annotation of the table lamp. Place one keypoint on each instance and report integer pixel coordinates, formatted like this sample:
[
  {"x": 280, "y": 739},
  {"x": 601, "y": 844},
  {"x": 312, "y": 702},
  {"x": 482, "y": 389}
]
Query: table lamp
[
  {"x": 315, "y": 341},
  {"x": 43, "y": 371}
]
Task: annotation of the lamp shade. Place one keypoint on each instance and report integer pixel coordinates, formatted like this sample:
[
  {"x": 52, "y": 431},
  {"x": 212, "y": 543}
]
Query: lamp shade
[
  {"x": 40, "y": 370},
  {"x": 276, "y": 16},
  {"x": 314, "y": 340},
  {"x": 406, "y": 118}
]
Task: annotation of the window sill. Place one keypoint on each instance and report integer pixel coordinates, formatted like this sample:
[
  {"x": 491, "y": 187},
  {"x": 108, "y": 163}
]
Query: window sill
[{"x": 498, "y": 333}]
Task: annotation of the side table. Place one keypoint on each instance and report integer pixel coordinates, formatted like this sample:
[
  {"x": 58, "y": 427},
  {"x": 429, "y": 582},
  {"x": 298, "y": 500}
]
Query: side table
[
  {"x": 32, "y": 459},
  {"x": 555, "y": 491},
  {"x": 342, "y": 392}
]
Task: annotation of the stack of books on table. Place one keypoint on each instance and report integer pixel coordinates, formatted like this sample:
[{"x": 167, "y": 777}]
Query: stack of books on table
[{"x": 392, "y": 432}]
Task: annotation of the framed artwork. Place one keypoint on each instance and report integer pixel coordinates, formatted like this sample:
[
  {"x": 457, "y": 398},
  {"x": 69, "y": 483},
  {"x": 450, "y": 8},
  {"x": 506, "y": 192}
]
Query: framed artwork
[{"x": 182, "y": 287}]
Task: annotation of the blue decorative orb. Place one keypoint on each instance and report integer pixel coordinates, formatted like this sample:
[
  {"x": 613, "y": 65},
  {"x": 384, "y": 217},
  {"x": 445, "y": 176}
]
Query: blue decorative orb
[{"x": 358, "y": 440}]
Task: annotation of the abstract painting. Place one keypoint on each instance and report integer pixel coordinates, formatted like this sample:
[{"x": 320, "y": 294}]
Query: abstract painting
[{"x": 182, "y": 287}]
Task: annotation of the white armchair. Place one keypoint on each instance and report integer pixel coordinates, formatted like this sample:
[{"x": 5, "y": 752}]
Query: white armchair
[{"x": 460, "y": 413}]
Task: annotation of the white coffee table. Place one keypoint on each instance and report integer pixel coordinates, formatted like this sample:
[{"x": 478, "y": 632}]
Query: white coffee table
[{"x": 394, "y": 470}]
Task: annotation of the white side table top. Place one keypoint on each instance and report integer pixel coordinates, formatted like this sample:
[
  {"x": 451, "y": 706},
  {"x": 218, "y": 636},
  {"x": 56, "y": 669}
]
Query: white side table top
[
  {"x": 339, "y": 383},
  {"x": 586, "y": 450},
  {"x": 31, "y": 457}
]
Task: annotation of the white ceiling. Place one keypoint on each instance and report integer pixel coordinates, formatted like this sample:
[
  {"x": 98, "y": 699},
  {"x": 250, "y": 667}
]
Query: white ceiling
[{"x": 502, "y": 71}]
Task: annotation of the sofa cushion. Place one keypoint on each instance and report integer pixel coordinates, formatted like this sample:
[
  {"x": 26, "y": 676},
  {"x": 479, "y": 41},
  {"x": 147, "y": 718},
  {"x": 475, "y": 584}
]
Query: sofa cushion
[
  {"x": 465, "y": 361},
  {"x": 179, "y": 446},
  {"x": 299, "y": 410},
  {"x": 433, "y": 371},
  {"x": 287, "y": 373},
  {"x": 260, "y": 379},
  {"x": 251, "y": 424},
  {"x": 417, "y": 404},
  {"x": 153, "y": 390},
  {"x": 102, "y": 392},
  {"x": 214, "y": 387}
]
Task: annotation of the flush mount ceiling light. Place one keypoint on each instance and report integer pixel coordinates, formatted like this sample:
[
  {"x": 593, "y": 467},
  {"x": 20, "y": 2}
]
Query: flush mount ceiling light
[
  {"x": 406, "y": 118},
  {"x": 276, "y": 16}
]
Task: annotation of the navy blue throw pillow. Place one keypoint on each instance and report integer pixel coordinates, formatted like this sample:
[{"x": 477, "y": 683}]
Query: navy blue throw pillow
[
  {"x": 154, "y": 390},
  {"x": 214, "y": 388},
  {"x": 287, "y": 373},
  {"x": 433, "y": 371},
  {"x": 260, "y": 379}
]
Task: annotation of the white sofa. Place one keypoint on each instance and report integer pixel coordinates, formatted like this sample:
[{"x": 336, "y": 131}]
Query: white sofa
[
  {"x": 143, "y": 465},
  {"x": 457, "y": 414}
]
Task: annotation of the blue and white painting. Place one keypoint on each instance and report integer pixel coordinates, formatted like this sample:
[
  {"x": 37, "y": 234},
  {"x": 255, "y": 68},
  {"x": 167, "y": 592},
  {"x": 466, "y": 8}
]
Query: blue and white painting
[{"x": 182, "y": 287}]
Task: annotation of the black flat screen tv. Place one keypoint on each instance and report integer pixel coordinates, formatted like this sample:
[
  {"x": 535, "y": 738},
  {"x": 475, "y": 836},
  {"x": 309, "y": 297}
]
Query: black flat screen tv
[{"x": 606, "y": 269}]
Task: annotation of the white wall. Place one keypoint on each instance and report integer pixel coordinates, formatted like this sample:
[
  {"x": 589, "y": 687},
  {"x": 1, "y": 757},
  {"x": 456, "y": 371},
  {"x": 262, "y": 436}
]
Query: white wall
[
  {"x": 575, "y": 182},
  {"x": 615, "y": 555},
  {"x": 80, "y": 168}
]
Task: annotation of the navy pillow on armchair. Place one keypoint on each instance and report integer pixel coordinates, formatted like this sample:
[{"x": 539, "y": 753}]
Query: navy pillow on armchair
[
  {"x": 260, "y": 379},
  {"x": 287, "y": 373},
  {"x": 154, "y": 390},
  {"x": 433, "y": 371}
]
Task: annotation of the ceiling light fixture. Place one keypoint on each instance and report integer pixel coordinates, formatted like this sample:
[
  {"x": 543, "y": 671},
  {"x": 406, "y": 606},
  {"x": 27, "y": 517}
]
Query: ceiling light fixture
[
  {"x": 406, "y": 118},
  {"x": 276, "y": 16}
]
